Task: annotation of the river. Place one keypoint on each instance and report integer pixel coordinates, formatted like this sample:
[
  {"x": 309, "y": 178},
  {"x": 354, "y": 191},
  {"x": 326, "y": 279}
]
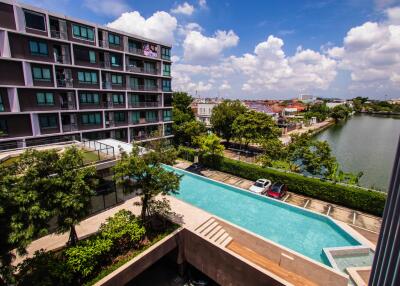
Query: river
[{"x": 365, "y": 143}]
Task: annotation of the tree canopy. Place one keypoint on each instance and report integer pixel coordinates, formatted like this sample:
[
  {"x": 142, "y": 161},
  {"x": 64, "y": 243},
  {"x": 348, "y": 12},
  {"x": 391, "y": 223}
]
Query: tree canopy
[
  {"x": 210, "y": 144},
  {"x": 254, "y": 127},
  {"x": 223, "y": 115},
  {"x": 145, "y": 173}
]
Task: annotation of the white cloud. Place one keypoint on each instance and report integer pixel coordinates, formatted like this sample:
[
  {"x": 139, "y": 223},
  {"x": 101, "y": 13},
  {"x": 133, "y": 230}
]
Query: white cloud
[
  {"x": 160, "y": 26},
  {"x": 381, "y": 4},
  {"x": 185, "y": 9},
  {"x": 225, "y": 86},
  {"x": 200, "y": 48},
  {"x": 175, "y": 59},
  {"x": 393, "y": 15},
  {"x": 183, "y": 30},
  {"x": 203, "y": 4},
  {"x": 371, "y": 53}
]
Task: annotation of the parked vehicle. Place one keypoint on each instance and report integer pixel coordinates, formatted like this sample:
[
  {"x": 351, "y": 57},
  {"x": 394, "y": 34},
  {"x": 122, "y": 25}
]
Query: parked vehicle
[
  {"x": 260, "y": 186},
  {"x": 277, "y": 190}
]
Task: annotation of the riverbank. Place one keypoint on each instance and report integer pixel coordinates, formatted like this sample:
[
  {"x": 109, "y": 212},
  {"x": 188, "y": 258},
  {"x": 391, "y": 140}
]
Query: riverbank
[{"x": 314, "y": 129}]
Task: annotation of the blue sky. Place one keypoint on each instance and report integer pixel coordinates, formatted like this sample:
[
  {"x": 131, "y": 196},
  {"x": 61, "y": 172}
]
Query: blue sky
[{"x": 264, "y": 49}]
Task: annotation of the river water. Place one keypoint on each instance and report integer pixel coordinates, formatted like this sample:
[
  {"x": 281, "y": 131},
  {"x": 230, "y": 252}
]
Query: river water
[{"x": 365, "y": 143}]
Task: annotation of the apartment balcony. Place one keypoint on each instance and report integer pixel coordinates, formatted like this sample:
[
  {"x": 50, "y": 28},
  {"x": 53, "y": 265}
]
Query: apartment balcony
[
  {"x": 70, "y": 127},
  {"x": 136, "y": 51},
  {"x": 105, "y": 64},
  {"x": 107, "y": 85},
  {"x": 67, "y": 83},
  {"x": 146, "y": 136},
  {"x": 144, "y": 88},
  {"x": 103, "y": 43},
  {"x": 144, "y": 104},
  {"x": 68, "y": 105},
  {"x": 137, "y": 69},
  {"x": 62, "y": 59}
]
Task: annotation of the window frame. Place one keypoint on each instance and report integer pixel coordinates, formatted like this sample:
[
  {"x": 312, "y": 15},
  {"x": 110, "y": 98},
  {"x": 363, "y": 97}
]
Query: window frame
[
  {"x": 116, "y": 63},
  {"x": 166, "y": 72},
  {"x": 89, "y": 98},
  {"x": 85, "y": 77},
  {"x": 166, "y": 53},
  {"x": 92, "y": 60},
  {"x": 42, "y": 74},
  {"x": 116, "y": 82},
  {"x": 116, "y": 98},
  {"x": 45, "y": 98},
  {"x": 113, "y": 42},
  {"x": 91, "y": 118},
  {"x": 81, "y": 29},
  {"x": 164, "y": 86},
  {"x": 3, "y": 126},
  {"x": 2, "y": 107},
  {"x": 37, "y": 14},
  {"x": 119, "y": 116},
  {"x": 48, "y": 117},
  {"x": 38, "y": 45}
]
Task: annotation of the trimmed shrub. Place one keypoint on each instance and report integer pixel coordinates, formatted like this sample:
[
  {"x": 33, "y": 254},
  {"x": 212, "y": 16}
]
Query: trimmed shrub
[{"x": 353, "y": 197}]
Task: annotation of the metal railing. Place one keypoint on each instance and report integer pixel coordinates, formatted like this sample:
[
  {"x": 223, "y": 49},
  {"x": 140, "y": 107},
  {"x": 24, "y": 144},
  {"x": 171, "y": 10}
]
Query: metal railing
[
  {"x": 143, "y": 87},
  {"x": 136, "y": 51},
  {"x": 68, "y": 105},
  {"x": 69, "y": 127},
  {"x": 62, "y": 59},
  {"x": 137, "y": 69},
  {"x": 145, "y": 104},
  {"x": 65, "y": 83},
  {"x": 98, "y": 146},
  {"x": 58, "y": 34}
]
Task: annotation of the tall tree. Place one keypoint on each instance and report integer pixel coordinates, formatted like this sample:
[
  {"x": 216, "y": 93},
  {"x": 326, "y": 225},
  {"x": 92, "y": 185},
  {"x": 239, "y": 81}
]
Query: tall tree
[
  {"x": 73, "y": 187},
  {"x": 186, "y": 132},
  {"x": 210, "y": 144},
  {"x": 141, "y": 172},
  {"x": 340, "y": 112},
  {"x": 254, "y": 127},
  {"x": 223, "y": 115}
]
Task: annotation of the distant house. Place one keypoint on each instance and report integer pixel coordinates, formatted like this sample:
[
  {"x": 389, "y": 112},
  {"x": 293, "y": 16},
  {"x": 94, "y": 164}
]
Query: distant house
[
  {"x": 202, "y": 109},
  {"x": 261, "y": 107},
  {"x": 335, "y": 103}
]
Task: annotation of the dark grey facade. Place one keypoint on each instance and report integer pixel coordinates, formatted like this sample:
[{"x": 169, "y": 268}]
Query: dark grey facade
[
  {"x": 67, "y": 78},
  {"x": 386, "y": 266}
]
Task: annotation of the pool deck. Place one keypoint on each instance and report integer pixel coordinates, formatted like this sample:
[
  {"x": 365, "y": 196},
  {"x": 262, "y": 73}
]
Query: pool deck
[{"x": 366, "y": 224}]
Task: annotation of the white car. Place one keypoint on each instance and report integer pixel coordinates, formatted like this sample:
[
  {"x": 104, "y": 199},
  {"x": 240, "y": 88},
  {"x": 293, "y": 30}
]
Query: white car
[{"x": 260, "y": 186}]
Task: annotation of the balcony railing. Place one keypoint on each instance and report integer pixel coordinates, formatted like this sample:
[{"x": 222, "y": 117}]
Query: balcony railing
[
  {"x": 103, "y": 43},
  {"x": 65, "y": 83},
  {"x": 144, "y": 87},
  {"x": 69, "y": 127},
  {"x": 136, "y": 51},
  {"x": 62, "y": 59},
  {"x": 144, "y": 104},
  {"x": 58, "y": 34},
  {"x": 146, "y": 136},
  {"x": 136, "y": 69},
  {"x": 68, "y": 105},
  {"x": 107, "y": 85}
]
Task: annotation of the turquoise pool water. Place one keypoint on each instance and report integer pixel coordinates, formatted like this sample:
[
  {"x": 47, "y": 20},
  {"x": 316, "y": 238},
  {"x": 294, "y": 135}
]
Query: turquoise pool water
[{"x": 300, "y": 230}]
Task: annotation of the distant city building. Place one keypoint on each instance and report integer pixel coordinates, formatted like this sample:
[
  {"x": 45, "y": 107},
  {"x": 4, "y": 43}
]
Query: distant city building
[
  {"x": 67, "y": 79},
  {"x": 335, "y": 103},
  {"x": 202, "y": 109}
]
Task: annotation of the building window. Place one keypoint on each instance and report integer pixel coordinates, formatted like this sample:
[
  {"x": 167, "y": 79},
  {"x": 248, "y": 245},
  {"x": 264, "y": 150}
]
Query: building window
[
  {"x": 38, "y": 48},
  {"x": 150, "y": 84},
  {"x": 167, "y": 114},
  {"x": 118, "y": 98},
  {"x": 167, "y": 70},
  {"x": 92, "y": 57},
  {"x": 91, "y": 118},
  {"x": 149, "y": 68},
  {"x": 87, "y": 77},
  {"x": 119, "y": 116},
  {"x": 89, "y": 98},
  {"x": 115, "y": 61},
  {"x": 165, "y": 53},
  {"x": 151, "y": 116},
  {"x": 114, "y": 39},
  {"x": 166, "y": 85},
  {"x": 116, "y": 79},
  {"x": 3, "y": 127},
  {"x": 48, "y": 121},
  {"x": 35, "y": 20},
  {"x": 135, "y": 116},
  {"x": 1, "y": 104},
  {"x": 45, "y": 98},
  {"x": 42, "y": 74},
  {"x": 83, "y": 32}
]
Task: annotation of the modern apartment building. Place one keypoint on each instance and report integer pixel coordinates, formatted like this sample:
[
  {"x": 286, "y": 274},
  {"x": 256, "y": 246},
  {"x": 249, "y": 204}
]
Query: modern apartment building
[{"x": 63, "y": 78}]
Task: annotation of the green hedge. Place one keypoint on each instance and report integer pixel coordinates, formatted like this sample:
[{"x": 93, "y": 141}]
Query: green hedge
[
  {"x": 365, "y": 200},
  {"x": 187, "y": 153}
]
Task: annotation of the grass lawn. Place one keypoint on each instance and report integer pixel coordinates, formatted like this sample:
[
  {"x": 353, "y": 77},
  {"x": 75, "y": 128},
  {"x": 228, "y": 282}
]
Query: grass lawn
[{"x": 90, "y": 157}]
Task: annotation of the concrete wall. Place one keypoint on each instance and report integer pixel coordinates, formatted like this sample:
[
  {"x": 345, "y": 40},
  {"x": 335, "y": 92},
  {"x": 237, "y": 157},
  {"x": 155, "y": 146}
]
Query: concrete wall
[{"x": 290, "y": 261}]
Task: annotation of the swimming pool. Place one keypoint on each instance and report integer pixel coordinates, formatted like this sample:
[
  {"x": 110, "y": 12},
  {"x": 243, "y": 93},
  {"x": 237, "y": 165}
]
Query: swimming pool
[{"x": 300, "y": 230}]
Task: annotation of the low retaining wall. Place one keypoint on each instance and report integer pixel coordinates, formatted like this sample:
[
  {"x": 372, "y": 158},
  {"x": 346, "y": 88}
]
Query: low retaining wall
[
  {"x": 137, "y": 265},
  {"x": 293, "y": 262}
]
